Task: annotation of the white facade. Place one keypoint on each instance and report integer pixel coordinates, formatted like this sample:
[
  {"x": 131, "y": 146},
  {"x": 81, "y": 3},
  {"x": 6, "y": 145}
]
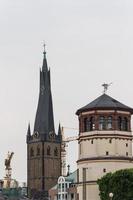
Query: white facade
[
  {"x": 63, "y": 186},
  {"x": 110, "y": 141}
]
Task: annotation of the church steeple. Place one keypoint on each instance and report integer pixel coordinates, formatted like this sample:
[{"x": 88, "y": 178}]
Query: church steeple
[
  {"x": 44, "y": 121},
  {"x": 42, "y": 142}
]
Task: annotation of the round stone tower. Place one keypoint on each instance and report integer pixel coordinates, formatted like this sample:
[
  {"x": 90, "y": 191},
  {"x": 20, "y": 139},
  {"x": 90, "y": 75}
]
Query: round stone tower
[{"x": 105, "y": 143}]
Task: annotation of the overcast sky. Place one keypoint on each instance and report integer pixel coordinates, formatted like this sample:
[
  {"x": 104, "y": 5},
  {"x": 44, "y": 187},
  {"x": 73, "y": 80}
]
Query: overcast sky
[{"x": 89, "y": 42}]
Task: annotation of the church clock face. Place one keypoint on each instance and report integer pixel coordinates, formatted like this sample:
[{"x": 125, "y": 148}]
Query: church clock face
[
  {"x": 36, "y": 134},
  {"x": 51, "y": 135}
]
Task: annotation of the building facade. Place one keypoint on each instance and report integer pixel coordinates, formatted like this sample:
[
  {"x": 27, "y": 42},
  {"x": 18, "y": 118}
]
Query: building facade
[
  {"x": 105, "y": 143},
  {"x": 65, "y": 189},
  {"x": 43, "y": 144}
]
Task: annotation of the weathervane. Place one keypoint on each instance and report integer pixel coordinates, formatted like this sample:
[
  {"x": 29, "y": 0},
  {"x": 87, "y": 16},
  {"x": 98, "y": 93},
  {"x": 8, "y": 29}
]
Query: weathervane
[{"x": 105, "y": 85}]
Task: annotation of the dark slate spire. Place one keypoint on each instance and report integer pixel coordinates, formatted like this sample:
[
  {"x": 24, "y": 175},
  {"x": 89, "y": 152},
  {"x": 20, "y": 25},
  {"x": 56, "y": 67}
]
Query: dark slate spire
[
  {"x": 44, "y": 122},
  {"x": 59, "y": 129},
  {"x": 29, "y": 131}
]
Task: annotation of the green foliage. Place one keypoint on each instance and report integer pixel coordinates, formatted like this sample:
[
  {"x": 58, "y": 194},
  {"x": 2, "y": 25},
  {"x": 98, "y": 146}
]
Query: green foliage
[{"x": 120, "y": 183}]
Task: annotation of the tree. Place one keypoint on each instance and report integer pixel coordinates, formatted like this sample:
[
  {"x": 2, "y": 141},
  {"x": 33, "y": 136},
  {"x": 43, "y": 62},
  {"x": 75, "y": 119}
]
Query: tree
[{"x": 120, "y": 183}]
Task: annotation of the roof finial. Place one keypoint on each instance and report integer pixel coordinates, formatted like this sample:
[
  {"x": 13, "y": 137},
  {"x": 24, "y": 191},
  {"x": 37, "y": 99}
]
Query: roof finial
[
  {"x": 44, "y": 45},
  {"x": 44, "y": 66},
  {"x": 106, "y": 85}
]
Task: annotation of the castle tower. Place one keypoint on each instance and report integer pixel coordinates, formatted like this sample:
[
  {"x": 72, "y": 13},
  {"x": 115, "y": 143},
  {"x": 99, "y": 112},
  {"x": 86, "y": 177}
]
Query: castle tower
[
  {"x": 105, "y": 142},
  {"x": 43, "y": 145}
]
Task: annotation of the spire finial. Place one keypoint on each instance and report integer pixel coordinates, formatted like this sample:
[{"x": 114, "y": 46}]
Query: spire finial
[
  {"x": 106, "y": 85},
  {"x": 29, "y": 131},
  {"x": 59, "y": 129},
  {"x": 44, "y": 67},
  {"x": 44, "y": 45}
]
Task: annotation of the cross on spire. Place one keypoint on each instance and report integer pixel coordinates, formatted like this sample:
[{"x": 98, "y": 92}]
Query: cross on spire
[
  {"x": 44, "y": 67},
  {"x": 44, "y": 45}
]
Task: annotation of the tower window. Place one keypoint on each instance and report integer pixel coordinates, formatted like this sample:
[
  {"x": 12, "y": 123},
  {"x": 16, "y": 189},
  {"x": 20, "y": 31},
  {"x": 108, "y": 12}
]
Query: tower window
[
  {"x": 126, "y": 144},
  {"x": 104, "y": 170},
  {"x": 91, "y": 141},
  {"x": 38, "y": 151},
  {"x": 56, "y": 152},
  {"x": 80, "y": 148},
  {"x": 89, "y": 124},
  {"x": 119, "y": 123},
  {"x": 109, "y": 123},
  {"x": 72, "y": 196},
  {"x": 107, "y": 153},
  {"x": 102, "y": 123},
  {"x": 85, "y": 124},
  {"x": 126, "y": 153},
  {"x": 48, "y": 151},
  {"x": 125, "y": 124},
  {"x": 31, "y": 152},
  {"x": 77, "y": 175},
  {"x": 110, "y": 141}
]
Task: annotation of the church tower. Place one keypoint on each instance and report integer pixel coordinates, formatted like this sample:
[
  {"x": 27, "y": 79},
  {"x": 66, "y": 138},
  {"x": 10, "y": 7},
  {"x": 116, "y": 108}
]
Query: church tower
[
  {"x": 105, "y": 143},
  {"x": 43, "y": 145}
]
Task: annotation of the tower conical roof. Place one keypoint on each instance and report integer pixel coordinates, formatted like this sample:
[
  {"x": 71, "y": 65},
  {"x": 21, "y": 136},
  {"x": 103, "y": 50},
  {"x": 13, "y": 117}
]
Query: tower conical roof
[
  {"x": 105, "y": 102},
  {"x": 44, "y": 121}
]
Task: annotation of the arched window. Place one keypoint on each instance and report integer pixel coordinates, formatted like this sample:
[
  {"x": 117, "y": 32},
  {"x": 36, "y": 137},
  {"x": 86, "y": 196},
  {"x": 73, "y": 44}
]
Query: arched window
[
  {"x": 120, "y": 123},
  {"x": 125, "y": 124},
  {"x": 102, "y": 123},
  {"x": 89, "y": 124},
  {"x": 86, "y": 124},
  {"x": 56, "y": 152},
  {"x": 48, "y": 150},
  {"x": 31, "y": 152},
  {"x": 38, "y": 151},
  {"x": 109, "y": 123}
]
